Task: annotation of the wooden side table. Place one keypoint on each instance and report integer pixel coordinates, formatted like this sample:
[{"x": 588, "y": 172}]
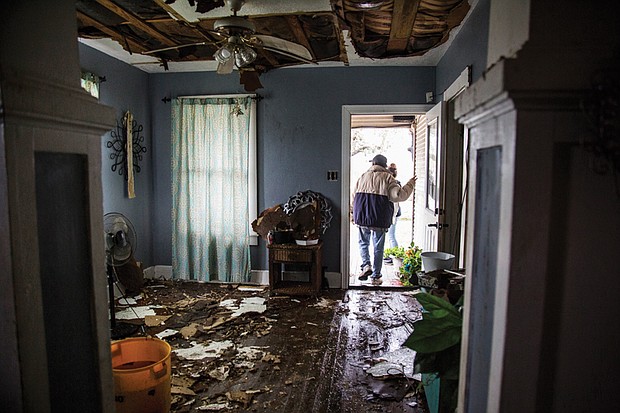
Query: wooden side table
[{"x": 310, "y": 255}]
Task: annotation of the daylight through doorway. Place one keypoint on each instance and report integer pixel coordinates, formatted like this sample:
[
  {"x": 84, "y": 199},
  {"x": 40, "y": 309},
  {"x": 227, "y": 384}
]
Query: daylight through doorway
[{"x": 394, "y": 137}]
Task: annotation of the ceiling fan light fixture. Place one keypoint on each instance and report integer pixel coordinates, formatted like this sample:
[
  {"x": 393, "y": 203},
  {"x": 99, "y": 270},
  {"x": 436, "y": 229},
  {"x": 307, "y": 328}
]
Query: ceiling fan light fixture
[
  {"x": 241, "y": 25},
  {"x": 244, "y": 55},
  {"x": 225, "y": 53}
]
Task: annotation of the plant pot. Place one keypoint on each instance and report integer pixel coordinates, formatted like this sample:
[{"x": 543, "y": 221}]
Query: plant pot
[
  {"x": 397, "y": 262},
  {"x": 431, "y": 384}
]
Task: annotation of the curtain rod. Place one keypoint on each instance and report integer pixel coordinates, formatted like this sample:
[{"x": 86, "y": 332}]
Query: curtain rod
[{"x": 240, "y": 95}]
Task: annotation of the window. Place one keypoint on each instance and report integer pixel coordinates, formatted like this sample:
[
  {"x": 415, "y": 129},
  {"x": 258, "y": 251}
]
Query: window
[
  {"x": 214, "y": 187},
  {"x": 90, "y": 83}
]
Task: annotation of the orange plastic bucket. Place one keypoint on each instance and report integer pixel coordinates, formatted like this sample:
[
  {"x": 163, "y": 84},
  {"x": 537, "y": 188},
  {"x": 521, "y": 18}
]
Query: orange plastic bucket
[{"x": 141, "y": 369}]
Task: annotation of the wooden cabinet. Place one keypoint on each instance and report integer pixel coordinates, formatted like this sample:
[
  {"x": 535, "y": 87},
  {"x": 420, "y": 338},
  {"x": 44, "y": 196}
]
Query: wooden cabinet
[{"x": 308, "y": 256}]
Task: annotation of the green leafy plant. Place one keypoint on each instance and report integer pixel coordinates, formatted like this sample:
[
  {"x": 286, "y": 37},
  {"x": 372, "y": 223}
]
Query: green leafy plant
[
  {"x": 411, "y": 262},
  {"x": 396, "y": 252},
  {"x": 436, "y": 338}
]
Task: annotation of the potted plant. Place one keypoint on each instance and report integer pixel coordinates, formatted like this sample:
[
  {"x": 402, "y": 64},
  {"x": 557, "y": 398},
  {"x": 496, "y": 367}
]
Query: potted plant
[
  {"x": 408, "y": 261},
  {"x": 397, "y": 254},
  {"x": 412, "y": 263},
  {"x": 436, "y": 338}
]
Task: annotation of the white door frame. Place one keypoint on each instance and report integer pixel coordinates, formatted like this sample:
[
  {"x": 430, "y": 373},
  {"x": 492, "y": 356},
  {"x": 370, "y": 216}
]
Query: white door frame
[{"x": 345, "y": 197}]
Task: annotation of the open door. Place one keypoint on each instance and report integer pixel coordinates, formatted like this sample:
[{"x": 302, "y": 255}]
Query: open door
[
  {"x": 431, "y": 214},
  {"x": 441, "y": 204}
]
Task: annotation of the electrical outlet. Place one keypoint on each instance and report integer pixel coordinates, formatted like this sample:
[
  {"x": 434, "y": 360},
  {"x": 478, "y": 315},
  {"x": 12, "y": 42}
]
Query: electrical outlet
[{"x": 332, "y": 175}]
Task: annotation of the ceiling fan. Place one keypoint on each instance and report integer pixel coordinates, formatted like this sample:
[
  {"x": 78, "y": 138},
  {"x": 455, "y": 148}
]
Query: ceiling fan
[{"x": 240, "y": 43}]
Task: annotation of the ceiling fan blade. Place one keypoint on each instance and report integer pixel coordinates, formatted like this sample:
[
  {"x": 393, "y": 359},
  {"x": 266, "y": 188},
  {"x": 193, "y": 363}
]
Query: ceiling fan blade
[
  {"x": 285, "y": 47},
  {"x": 226, "y": 67},
  {"x": 165, "y": 49}
]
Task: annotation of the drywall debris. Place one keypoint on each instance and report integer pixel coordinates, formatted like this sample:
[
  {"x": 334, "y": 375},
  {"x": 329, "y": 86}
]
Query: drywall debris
[
  {"x": 127, "y": 301},
  {"x": 251, "y": 352},
  {"x": 220, "y": 373},
  {"x": 398, "y": 363},
  {"x": 166, "y": 333},
  {"x": 251, "y": 288},
  {"x": 324, "y": 303},
  {"x": 247, "y": 305},
  {"x": 214, "y": 407},
  {"x": 132, "y": 313},
  {"x": 200, "y": 351}
]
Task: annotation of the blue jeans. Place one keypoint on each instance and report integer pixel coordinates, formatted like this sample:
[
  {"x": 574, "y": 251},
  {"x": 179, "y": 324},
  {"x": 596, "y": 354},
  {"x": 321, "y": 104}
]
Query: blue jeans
[
  {"x": 378, "y": 240},
  {"x": 392, "y": 234}
]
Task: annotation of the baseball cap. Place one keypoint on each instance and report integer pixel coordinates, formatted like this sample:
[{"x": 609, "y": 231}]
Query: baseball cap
[{"x": 380, "y": 160}]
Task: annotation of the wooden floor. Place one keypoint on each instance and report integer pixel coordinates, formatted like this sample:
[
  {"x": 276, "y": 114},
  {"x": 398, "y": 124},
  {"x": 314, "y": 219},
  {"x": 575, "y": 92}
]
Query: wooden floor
[{"x": 301, "y": 354}]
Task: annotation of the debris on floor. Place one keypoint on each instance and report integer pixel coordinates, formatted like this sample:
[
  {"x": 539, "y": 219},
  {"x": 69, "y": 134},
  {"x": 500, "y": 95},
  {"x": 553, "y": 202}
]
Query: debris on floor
[
  {"x": 398, "y": 363},
  {"x": 236, "y": 348}
]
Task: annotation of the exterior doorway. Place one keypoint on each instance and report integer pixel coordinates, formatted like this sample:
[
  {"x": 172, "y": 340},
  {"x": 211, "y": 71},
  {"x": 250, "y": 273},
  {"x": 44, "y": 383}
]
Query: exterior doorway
[
  {"x": 437, "y": 154},
  {"x": 394, "y": 137},
  {"x": 367, "y": 131}
]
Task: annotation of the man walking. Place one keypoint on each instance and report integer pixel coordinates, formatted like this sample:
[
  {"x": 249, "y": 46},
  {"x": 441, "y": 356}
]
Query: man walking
[{"x": 373, "y": 197}]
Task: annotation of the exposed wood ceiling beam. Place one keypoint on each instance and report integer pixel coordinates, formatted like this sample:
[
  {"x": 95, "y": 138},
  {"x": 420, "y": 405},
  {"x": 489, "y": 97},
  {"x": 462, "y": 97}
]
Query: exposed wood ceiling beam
[
  {"x": 179, "y": 17},
  {"x": 135, "y": 21},
  {"x": 403, "y": 17},
  {"x": 119, "y": 37},
  {"x": 171, "y": 11},
  {"x": 300, "y": 34},
  {"x": 270, "y": 57}
]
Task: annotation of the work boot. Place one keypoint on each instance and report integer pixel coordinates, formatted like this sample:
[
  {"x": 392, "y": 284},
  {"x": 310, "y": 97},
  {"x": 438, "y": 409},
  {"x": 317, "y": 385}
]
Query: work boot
[{"x": 366, "y": 271}]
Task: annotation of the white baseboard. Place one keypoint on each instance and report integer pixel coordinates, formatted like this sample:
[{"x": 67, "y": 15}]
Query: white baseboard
[
  {"x": 159, "y": 272},
  {"x": 261, "y": 277}
]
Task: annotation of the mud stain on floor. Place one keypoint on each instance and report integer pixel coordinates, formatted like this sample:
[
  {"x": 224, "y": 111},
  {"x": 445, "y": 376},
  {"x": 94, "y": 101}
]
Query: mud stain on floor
[{"x": 240, "y": 349}]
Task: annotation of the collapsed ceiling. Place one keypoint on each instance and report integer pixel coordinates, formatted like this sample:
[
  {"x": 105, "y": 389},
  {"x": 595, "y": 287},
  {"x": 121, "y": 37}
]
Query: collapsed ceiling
[{"x": 168, "y": 31}]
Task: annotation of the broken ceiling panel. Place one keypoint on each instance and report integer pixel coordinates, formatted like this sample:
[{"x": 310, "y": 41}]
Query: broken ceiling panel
[
  {"x": 397, "y": 28},
  {"x": 183, "y": 30}
]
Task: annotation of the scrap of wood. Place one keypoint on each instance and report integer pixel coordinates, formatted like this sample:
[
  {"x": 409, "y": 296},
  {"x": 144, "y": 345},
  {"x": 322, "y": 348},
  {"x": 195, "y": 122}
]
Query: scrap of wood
[
  {"x": 182, "y": 381},
  {"x": 189, "y": 331},
  {"x": 240, "y": 397},
  {"x": 218, "y": 323},
  {"x": 182, "y": 390},
  {"x": 155, "y": 320}
]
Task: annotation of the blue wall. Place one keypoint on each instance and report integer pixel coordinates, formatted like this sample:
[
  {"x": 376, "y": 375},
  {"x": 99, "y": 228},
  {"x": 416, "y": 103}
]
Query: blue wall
[
  {"x": 469, "y": 48},
  {"x": 299, "y": 134},
  {"x": 126, "y": 88}
]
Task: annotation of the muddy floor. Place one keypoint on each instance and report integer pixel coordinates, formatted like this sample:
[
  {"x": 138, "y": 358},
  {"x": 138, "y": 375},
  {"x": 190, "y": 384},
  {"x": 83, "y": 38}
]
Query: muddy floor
[{"x": 236, "y": 348}]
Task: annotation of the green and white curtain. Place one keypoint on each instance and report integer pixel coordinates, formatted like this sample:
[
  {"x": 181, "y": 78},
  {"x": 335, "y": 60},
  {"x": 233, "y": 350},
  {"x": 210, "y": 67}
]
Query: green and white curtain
[{"x": 210, "y": 141}]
